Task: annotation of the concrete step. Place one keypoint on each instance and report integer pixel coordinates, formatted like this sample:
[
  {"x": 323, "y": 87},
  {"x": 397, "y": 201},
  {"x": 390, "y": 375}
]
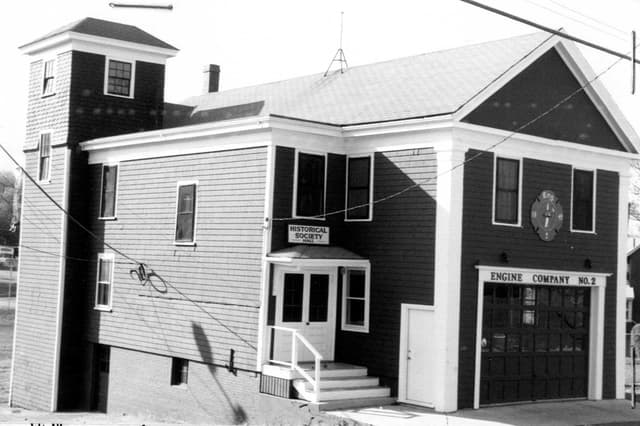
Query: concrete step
[
  {"x": 342, "y": 371},
  {"x": 346, "y": 404},
  {"x": 354, "y": 393},
  {"x": 343, "y": 382}
]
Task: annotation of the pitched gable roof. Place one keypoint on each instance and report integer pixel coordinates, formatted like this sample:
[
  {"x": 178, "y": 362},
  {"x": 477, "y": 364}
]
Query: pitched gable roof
[
  {"x": 108, "y": 29},
  {"x": 426, "y": 85}
]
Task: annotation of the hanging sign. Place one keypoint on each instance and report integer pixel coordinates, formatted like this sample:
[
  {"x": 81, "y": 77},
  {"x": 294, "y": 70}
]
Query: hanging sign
[{"x": 309, "y": 234}]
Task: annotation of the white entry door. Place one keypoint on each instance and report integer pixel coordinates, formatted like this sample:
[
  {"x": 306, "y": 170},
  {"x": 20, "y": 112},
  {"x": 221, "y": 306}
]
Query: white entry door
[
  {"x": 306, "y": 302},
  {"x": 416, "y": 355}
]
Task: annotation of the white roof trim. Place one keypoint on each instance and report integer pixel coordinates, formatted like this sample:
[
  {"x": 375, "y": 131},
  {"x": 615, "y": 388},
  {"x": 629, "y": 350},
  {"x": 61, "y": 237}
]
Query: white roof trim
[
  {"x": 80, "y": 41},
  {"x": 583, "y": 72}
]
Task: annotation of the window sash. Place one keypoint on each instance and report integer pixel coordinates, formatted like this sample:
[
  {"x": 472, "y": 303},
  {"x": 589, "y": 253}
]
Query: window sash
[
  {"x": 583, "y": 194},
  {"x": 44, "y": 162},
  {"x": 104, "y": 282},
  {"x": 185, "y": 216},
  {"x": 109, "y": 187},
  {"x": 356, "y": 299},
  {"x": 119, "y": 78},
  {"x": 507, "y": 191},
  {"x": 48, "y": 78},
  {"x": 293, "y": 296},
  {"x": 359, "y": 188},
  {"x": 310, "y": 192},
  {"x": 179, "y": 371}
]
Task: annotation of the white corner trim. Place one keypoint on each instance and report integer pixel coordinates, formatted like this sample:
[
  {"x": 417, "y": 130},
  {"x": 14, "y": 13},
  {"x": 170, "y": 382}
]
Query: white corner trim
[
  {"x": 265, "y": 267},
  {"x": 448, "y": 253},
  {"x": 61, "y": 279},
  {"x": 623, "y": 197}
]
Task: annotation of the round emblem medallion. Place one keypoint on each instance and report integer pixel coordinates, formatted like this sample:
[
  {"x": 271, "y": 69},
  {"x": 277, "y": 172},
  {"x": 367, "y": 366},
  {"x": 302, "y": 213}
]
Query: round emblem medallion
[{"x": 546, "y": 215}]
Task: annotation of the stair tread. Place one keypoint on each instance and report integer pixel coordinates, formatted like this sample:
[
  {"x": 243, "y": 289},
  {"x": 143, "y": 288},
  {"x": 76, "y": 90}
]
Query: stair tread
[
  {"x": 347, "y": 388},
  {"x": 339, "y": 378}
]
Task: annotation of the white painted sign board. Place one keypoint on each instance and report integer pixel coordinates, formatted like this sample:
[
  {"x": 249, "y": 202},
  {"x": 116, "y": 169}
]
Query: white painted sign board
[{"x": 309, "y": 234}]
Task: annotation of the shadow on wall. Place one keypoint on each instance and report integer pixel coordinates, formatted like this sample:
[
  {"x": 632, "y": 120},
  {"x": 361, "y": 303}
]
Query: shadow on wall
[{"x": 238, "y": 415}]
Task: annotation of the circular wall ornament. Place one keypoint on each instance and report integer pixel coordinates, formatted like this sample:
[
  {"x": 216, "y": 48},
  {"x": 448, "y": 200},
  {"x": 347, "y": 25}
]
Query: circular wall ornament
[{"x": 546, "y": 215}]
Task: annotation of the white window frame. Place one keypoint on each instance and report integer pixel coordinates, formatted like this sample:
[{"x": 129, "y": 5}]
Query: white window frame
[
  {"x": 195, "y": 212},
  {"x": 367, "y": 300},
  {"x": 133, "y": 77},
  {"x": 346, "y": 185},
  {"x": 295, "y": 184},
  {"x": 109, "y": 257},
  {"x": 42, "y": 77},
  {"x": 115, "y": 199},
  {"x": 593, "y": 199},
  {"x": 497, "y": 156},
  {"x": 48, "y": 179}
]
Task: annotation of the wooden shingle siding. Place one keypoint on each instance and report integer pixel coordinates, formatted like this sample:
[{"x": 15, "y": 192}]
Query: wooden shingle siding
[
  {"x": 38, "y": 287},
  {"x": 204, "y": 299},
  {"x": 483, "y": 243}
]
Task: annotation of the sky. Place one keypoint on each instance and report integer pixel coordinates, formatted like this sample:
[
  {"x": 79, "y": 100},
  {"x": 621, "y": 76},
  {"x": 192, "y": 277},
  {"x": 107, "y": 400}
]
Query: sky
[{"x": 262, "y": 41}]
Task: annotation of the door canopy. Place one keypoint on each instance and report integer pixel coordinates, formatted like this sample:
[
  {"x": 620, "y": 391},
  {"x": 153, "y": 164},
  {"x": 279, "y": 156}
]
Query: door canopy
[{"x": 302, "y": 255}]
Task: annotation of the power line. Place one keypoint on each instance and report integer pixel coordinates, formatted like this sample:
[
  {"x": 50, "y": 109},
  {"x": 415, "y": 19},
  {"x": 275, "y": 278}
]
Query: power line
[
  {"x": 619, "y": 37},
  {"x": 457, "y": 166},
  {"x": 552, "y": 31},
  {"x": 588, "y": 17},
  {"x": 62, "y": 209}
]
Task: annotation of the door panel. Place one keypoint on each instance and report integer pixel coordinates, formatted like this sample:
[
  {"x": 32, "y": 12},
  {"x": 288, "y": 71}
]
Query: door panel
[{"x": 419, "y": 355}]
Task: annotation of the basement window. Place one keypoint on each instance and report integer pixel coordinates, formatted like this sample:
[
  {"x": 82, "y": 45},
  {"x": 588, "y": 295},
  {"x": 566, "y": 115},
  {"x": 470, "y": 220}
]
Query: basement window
[{"x": 179, "y": 371}]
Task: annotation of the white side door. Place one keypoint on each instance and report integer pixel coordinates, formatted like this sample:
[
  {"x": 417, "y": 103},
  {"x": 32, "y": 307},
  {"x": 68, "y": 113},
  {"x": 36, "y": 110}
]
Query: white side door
[
  {"x": 416, "y": 355},
  {"x": 306, "y": 302}
]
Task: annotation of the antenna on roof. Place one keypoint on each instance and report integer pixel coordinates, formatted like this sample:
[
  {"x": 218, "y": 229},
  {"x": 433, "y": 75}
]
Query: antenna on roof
[
  {"x": 339, "y": 56},
  {"x": 142, "y": 6}
]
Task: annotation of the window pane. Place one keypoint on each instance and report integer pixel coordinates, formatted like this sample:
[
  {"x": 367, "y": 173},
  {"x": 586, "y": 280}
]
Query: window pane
[
  {"x": 184, "y": 227},
  {"x": 292, "y": 298},
  {"x": 582, "y": 208},
  {"x": 506, "y": 192},
  {"x": 356, "y": 284},
  {"x": 319, "y": 298},
  {"x": 355, "y": 311},
  {"x": 104, "y": 273},
  {"x": 109, "y": 179},
  {"x": 119, "y": 78},
  {"x": 310, "y": 196},
  {"x": 359, "y": 187},
  {"x": 359, "y": 172}
]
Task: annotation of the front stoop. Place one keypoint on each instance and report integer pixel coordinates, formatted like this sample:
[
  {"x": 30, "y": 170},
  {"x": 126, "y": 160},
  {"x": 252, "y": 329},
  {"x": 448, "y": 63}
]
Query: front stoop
[{"x": 343, "y": 386}]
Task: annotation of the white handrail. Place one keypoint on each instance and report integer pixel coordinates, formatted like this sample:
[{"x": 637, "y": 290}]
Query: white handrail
[{"x": 295, "y": 336}]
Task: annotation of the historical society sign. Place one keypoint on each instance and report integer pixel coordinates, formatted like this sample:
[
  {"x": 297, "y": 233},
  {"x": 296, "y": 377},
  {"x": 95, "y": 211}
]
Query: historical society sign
[{"x": 309, "y": 234}]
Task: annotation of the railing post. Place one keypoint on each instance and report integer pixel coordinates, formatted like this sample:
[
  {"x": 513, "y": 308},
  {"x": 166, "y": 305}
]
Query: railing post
[
  {"x": 316, "y": 385},
  {"x": 294, "y": 350}
]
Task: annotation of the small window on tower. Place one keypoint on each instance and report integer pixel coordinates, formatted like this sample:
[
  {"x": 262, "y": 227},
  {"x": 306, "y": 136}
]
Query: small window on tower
[
  {"x": 179, "y": 371},
  {"x": 44, "y": 157},
  {"x": 120, "y": 79},
  {"x": 48, "y": 79}
]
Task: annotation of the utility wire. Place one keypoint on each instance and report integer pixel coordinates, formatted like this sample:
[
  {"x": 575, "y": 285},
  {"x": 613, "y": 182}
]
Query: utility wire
[
  {"x": 457, "y": 166},
  {"x": 619, "y": 37},
  {"x": 588, "y": 17},
  {"x": 63, "y": 210}
]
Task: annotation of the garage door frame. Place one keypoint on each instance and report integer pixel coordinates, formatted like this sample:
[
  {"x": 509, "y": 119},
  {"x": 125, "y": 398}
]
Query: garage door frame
[{"x": 595, "y": 281}]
